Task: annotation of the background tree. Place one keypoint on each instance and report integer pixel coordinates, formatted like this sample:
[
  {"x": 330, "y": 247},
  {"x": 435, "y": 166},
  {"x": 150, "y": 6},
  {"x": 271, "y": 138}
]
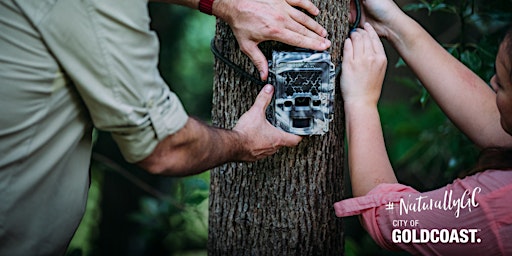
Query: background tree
[{"x": 281, "y": 205}]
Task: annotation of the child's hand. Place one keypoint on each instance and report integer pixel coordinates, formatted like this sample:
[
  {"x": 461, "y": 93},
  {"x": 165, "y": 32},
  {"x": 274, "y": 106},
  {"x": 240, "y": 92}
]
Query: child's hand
[
  {"x": 364, "y": 67},
  {"x": 382, "y": 14}
]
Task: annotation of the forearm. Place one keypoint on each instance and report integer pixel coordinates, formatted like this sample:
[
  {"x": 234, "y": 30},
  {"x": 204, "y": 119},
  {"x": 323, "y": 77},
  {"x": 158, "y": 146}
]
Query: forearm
[
  {"x": 364, "y": 68},
  {"x": 464, "y": 97},
  {"x": 368, "y": 160},
  {"x": 195, "y": 148}
]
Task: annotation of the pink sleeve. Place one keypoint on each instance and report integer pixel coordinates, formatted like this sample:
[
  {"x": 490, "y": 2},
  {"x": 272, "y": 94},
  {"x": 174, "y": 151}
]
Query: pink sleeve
[
  {"x": 478, "y": 208},
  {"x": 378, "y": 196},
  {"x": 368, "y": 205}
]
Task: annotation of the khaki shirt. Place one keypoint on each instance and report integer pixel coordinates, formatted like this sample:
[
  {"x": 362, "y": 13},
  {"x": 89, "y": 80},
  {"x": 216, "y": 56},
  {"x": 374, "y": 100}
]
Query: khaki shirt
[{"x": 66, "y": 65}]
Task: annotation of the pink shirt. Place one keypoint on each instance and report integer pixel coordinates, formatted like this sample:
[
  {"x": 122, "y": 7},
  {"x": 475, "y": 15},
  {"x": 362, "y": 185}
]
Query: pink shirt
[{"x": 471, "y": 216}]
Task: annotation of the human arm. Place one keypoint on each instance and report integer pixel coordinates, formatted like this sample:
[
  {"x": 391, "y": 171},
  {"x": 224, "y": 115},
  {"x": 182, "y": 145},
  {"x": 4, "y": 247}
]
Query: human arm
[
  {"x": 364, "y": 67},
  {"x": 464, "y": 97},
  {"x": 114, "y": 71},
  {"x": 197, "y": 147},
  {"x": 482, "y": 199},
  {"x": 253, "y": 22}
]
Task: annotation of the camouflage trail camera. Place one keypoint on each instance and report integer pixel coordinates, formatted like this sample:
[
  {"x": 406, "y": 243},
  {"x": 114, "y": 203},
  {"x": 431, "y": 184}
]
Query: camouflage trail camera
[{"x": 304, "y": 91}]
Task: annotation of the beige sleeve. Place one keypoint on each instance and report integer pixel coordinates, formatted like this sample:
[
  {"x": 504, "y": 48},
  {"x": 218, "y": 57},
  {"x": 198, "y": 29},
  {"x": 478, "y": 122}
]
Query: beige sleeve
[{"x": 111, "y": 55}]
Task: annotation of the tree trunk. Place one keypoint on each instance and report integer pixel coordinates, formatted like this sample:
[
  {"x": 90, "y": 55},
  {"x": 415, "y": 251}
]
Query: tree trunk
[{"x": 282, "y": 205}]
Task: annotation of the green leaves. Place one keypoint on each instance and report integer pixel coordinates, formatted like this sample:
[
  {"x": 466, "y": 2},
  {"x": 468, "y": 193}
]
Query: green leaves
[
  {"x": 471, "y": 59},
  {"x": 433, "y": 6},
  {"x": 179, "y": 221},
  {"x": 426, "y": 149}
]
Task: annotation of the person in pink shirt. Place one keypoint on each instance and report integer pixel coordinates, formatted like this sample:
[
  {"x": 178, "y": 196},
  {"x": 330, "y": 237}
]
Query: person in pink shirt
[{"x": 470, "y": 216}]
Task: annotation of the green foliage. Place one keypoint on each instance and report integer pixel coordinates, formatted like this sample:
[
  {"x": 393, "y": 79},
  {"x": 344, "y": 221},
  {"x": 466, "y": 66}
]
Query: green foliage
[
  {"x": 187, "y": 64},
  {"x": 426, "y": 150},
  {"x": 425, "y": 147},
  {"x": 178, "y": 222},
  {"x": 83, "y": 240},
  {"x": 431, "y": 6}
]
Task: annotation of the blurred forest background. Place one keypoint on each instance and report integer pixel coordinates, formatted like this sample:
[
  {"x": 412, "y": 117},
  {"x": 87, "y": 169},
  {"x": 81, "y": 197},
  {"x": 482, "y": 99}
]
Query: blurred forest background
[{"x": 131, "y": 212}]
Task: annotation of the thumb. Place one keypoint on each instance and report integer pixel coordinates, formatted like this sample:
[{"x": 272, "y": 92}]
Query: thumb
[
  {"x": 264, "y": 98},
  {"x": 289, "y": 140}
]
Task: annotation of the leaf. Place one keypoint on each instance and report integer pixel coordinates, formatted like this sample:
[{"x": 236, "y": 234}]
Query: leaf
[
  {"x": 416, "y": 7},
  {"x": 425, "y": 96},
  {"x": 471, "y": 59},
  {"x": 434, "y": 6},
  {"x": 400, "y": 63},
  {"x": 149, "y": 206}
]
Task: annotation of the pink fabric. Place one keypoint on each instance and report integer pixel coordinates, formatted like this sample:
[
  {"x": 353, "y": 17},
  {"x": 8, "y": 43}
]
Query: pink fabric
[{"x": 471, "y": 216}]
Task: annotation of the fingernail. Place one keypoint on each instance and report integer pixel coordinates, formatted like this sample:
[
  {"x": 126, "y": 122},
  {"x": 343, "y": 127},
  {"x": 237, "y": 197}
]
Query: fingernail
[
  {"x": 325, "y": 44},
  {"x": 328, "y": 42},
  {"x": 268, "y": 88}
]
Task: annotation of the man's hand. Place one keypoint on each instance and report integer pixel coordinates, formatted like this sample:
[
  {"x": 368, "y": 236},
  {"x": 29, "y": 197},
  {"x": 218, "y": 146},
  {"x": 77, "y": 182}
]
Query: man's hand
[
  {"x": 198, "y": 147},
  {"x": 255, "y": 21},
  {"x": 262, "y": 139}
]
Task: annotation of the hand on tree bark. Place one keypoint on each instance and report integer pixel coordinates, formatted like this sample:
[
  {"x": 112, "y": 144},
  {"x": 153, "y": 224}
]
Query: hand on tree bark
[
  {"x": 381, "y": 14},
  {"x": 364, "y": 67},
  {"x": 255, "y": 21},
  {"x": 260, "y": 138}
]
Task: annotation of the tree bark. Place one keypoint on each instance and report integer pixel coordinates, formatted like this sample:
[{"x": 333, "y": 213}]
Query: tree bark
[{"x": 282, "y": 205}]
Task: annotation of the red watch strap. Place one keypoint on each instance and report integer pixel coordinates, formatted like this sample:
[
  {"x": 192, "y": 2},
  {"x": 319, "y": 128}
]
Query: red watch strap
[{"x": 205, "y": 6}]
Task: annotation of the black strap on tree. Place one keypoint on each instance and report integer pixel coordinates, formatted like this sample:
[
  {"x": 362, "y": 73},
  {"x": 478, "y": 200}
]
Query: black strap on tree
[
  {"x": 358, "y": 15},
  {"x": 234, "y": 66},
  {"x": 257, "y": 80}
]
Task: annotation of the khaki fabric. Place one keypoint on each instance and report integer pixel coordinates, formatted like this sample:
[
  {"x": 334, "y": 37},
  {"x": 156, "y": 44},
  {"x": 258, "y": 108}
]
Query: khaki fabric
[{"x": 66, "y": 66}]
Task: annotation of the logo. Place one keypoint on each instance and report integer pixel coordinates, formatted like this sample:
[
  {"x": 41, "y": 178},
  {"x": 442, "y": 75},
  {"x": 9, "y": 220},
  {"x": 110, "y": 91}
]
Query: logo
[
  {"x": 410, "y": 231},
  {"x": 445, "y": 236}
]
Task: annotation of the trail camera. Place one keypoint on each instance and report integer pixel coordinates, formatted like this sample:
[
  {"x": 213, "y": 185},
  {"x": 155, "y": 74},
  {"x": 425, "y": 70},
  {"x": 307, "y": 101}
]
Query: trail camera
[{"x": 304, "y": 91}]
